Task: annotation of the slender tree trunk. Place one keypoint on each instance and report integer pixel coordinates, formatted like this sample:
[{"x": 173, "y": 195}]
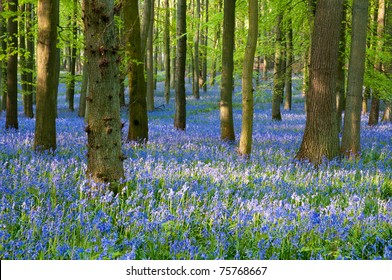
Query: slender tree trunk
[
  {"x": 217, "y": 36},
  {"x": 365, "y": 98},
  {"x": 104, "y": 155},
  {"x": 138, "y": 119},
  {"x": 47, "y": 75},
  {"x": 167, "y": 51},
  {"x": 226, "y": 95},
  {"x": 12, "y": 67},
  {"x": 341, "y": 77},
  {"x": 387, "y": 116},
  {"x": 27, "y": 106},
  {"x": 289, "y": 66},
  {"x": 72, "y": 59},
  {"x": 3, "y": 72},
  {"x": 321, "y": 139},
  {"x": 196, "y": 65},
  {"x": 375, "y": 105},
  {"x": 83, "y": 92},
  {"x": 279, "y": 73},
  {"x": 180, "y": 113},
  {"x": 245, "y": 146},
  {"x": 205, "y": 48},
  {"x": 150, "y": 62},
  {"x": 351, "y": 145}
]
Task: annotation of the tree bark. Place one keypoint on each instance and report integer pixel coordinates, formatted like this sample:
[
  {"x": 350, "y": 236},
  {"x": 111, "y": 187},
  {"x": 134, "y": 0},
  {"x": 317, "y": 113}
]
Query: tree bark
[
  {"x": 138, "y": 119},
  {"x": 289, "y": 67},
  {"x": 47, "y": 75},
  {"x": 83, "y": 91},
  {"x": 279, "y": 72},
  {"x": 30, "y": 62},
  {"x": 245, "y": 146},
  {"x": 12, "y": 67},
  {"x": 3, "y": 72},
  {"x": 321, "y": 139},
  {"x": 351, "y": 145},
  {"x": 196, "y": 65},
  {"x": 375, "y": 104},
  {"x": 104, "y": 155},
  {"x": 167, "y": 51},
  {"x": 150, "y": 61},
  {"x": 226, "y": 95},
  {"x": 180, "y": 113}
]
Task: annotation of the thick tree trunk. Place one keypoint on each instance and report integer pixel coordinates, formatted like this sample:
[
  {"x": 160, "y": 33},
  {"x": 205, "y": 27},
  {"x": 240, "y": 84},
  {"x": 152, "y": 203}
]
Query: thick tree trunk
[
  {"x": 138, "y": 119},
  {"x": 245, "y": 146},
  {"x": 30, "y": 63},
  {"x": 321, "y": 139},
  {"x": 47, "y": 75},
  {"x": 226, "y": 95},
  {"x": 12, "y": 67},
  {"x": 167, "y": 51},
  {"x": 180, "y": 113},
  {"x": 104, "y": 155},
  {"x": 351, "y": 145}
]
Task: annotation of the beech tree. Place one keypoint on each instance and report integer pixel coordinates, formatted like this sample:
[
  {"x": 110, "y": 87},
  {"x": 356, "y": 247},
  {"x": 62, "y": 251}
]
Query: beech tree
[
  {"x": 321, "y": 139},
  {"x": 245, "y": 146},
  {"x": 12, "y": 67},
  {"x": 351, "y": 145},
  {"x": 180, "y": 110},
  {"x": 138, "y": 120},
  {"x": 226, "y": 90},
  {"x": 104, "y": 155},
  {"x": 47, "y": 75}
]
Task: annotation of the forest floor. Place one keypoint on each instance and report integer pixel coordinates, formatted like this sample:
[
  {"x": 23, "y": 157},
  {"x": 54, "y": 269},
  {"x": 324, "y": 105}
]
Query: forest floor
[{"x": 187, "y": 195}]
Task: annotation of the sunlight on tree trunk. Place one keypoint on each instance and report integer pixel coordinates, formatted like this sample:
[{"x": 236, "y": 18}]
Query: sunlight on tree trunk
[{"x": 245, "y": 146}]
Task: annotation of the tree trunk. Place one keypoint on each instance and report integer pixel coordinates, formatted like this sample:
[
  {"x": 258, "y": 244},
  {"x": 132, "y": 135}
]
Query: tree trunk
[
  {"x": 12, "y": 67},
  {"x": 104, "y": 155},
  {"x": 167, "y": 51},
  {"x": 138, "y": 119},
  {"x": 279, "y": 73},
  {"x": 245, "y": 146},
  {"x": 387, "y": 116},
  {"x": 3, "y": 72},
  {"x": 226, "y": 95},
  {"x": 375, "y": 105},
  {"x": 205, "y": 48},
  {"x": 30, "y": 63},
  {"x": 289, "y": 67},
  {"x": 365, "y": 98},
  {"x": 321, "y": 138},
  {"x": 351, "y": 145},
  {"x": 150, "y": 61},
  {"x": 83, "y": 92},
  {"x": 180, "y": 114},
  {"x": 47, "y": 75},
  {"x": 196, "y": 65},
  {"x": 341, "y": 77}
]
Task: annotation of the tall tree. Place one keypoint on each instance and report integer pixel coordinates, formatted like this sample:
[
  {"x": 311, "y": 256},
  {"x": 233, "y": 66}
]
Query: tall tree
[
  {"x": 167, "y": 51},
  {"x": 226, "y": 90},
  {"x": 351, "y": 145},
  {"x": 70, "y": 93},
  {"x": 104, "y": 155},
  {"x": 245, "y": 146},
  {"x": 150, "y": 61},
  {"x": 375, "y": 104},
  {"x": 3, "y": 47},
  {"x": 138, "y": 119},
  {"x": 289, "y": 65},
  {"x": 12, "y": 67},
  {"x": 180, "y": 113},
  {"x": 47, "y": 75},
  {"x": 30, "y": 60},
  {"x": 279, "y": 70},
  {"x": 321, "y": 139},
  {"x": 196, "y": 40}
]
